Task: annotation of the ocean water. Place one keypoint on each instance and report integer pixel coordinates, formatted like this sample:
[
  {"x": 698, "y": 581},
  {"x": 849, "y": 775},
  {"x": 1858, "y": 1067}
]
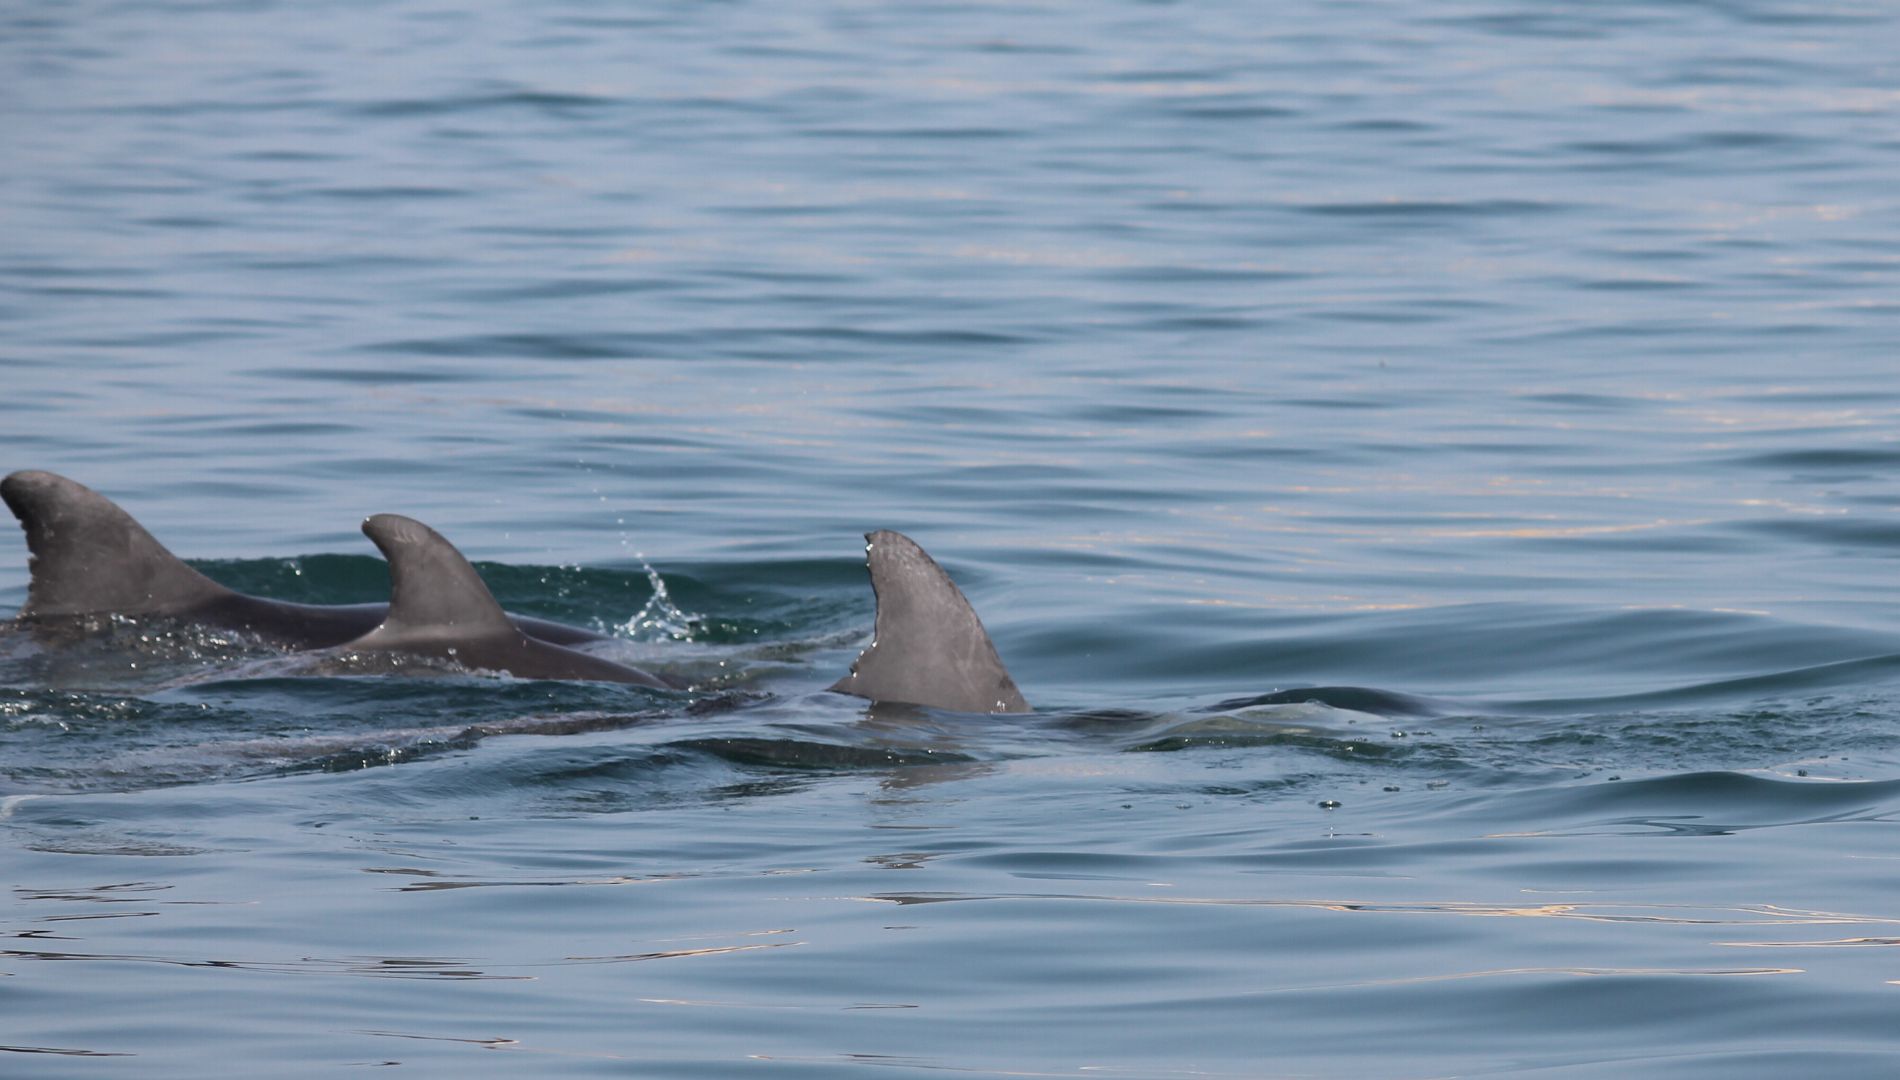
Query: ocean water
[{"x": 1434, "y": 468}]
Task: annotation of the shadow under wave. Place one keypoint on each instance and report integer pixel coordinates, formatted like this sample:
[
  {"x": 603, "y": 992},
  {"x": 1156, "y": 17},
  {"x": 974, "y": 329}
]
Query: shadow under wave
[
  {"x": 1702, "y": 803},
  {"x": 1838, "y": 675}
]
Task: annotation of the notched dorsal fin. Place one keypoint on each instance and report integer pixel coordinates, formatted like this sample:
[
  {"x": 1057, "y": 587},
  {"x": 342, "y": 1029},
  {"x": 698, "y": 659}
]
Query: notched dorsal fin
[
  {"x": 88, "y": 557},
  {"x": 432, "y": 588},
  {"x": 929, "y": 647}
]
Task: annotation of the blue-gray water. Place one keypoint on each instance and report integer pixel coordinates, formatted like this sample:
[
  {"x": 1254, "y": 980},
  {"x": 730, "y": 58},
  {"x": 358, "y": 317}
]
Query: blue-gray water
[{"x": 1531, "y": 368}]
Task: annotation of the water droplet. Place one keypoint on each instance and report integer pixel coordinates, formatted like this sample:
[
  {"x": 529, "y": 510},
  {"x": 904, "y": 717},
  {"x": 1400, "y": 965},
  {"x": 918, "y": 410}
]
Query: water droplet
[
  {"x": 1329, "y": 804},
  {"x": 660, "y": 612}
]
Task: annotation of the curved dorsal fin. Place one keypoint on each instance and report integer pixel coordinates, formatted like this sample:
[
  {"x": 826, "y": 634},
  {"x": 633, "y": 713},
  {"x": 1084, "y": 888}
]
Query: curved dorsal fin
[
  {"x": 439, "y": 606},
  {"x": 929, "y": 647},
  {"x": 432, "y": 588},
  {"x": 90, "y": 558}
]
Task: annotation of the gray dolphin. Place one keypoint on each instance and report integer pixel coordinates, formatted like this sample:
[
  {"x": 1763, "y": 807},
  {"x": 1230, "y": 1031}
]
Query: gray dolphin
[
  {"x": 90, "y": 558},
  {"x": 439, "y": 606},
  {"x": 928, "y": 647}
]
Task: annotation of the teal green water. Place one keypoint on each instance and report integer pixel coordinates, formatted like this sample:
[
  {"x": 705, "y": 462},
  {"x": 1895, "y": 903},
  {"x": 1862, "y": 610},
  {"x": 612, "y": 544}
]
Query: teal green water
[{"x": 1431, "y": 467}]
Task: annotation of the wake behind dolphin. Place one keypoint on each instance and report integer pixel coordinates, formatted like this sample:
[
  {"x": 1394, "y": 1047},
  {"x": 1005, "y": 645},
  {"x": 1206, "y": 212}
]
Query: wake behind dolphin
[{"x": 89, "y": 559}]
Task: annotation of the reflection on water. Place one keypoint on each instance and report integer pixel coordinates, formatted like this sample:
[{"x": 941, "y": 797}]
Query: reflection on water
[
  {"x": 61, "y": 1051},
  {"x": 1611, "y": 913},
  {"x": 1424, "y": 461}
]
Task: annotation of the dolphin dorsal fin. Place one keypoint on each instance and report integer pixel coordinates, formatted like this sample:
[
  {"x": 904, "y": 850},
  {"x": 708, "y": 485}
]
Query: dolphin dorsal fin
[
  {"x": 432, "y": 588},
  {"x": 88, "y": 557},
  {"x": 929, "y": 647}
]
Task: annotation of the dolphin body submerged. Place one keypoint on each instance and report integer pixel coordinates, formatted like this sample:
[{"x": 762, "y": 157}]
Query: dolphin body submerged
[
  {"x": 439, "y": 606},
  {"x": 89, "y": 558}
]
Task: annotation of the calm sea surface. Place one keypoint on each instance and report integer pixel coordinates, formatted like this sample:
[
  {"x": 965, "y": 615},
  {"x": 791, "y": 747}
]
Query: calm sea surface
[{"x": 1435, "y": 468}]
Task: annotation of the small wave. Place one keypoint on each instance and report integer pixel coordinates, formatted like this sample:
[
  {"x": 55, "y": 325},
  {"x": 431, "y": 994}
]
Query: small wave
[
  {"x": 1431, "y": 208},
  {"x": 1713, "y": 803},
  {"x": 1356, "y": 699},
  {"x": 1859, "y": 458},
  {"x": 366, "y": 376},
  {"x": 1852, "y": 533},
  {"x": 1845, "y": 673},
  {"x": 554, "y": 102},
  {"x": 808, "y": 755},
  {"x": 1218, "y": 110}
]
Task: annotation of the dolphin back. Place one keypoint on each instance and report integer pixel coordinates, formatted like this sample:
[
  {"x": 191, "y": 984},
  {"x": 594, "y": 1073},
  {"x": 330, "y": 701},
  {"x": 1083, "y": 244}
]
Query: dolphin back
[
  {"x": 88, "y": 557},
  {"x": 929, "y": 648},
  {"x": 440, "y": 606}
]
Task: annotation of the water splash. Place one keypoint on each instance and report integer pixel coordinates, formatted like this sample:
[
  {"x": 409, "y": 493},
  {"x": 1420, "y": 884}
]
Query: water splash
[{"x": 660, "y": 619}]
